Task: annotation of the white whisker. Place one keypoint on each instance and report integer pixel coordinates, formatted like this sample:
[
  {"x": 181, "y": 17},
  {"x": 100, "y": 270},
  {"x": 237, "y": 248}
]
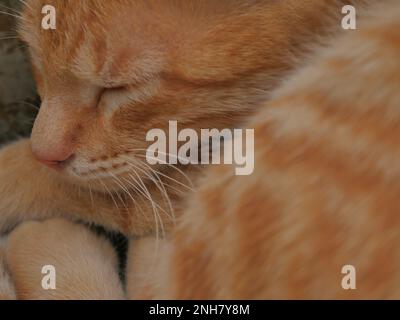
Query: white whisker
[
  {"x": 9, "y": 38},
  {"x": 168, "y": 177},
  {"x": 168, "y": 164},
  {"x": 158, "y": 183},
  {"x": 121, "y": 185},
  {"x": 108, "y": 191},
  {"x": 13, "y": 15},
  {"x": 30, "y": 104},
  {"x": 160, "y": 186},
  {"x": 91, "y": 195},
  {"x": 11, "y": 9},
  {"x": 119, "y": 182},
  {"x": 26, "y": 4},
  {"x": 172, "y": 215},
  {"x": 146, "y": 194}
]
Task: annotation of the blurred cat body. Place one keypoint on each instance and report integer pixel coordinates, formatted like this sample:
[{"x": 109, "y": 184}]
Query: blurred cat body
[{"x": 324, "y": 191}]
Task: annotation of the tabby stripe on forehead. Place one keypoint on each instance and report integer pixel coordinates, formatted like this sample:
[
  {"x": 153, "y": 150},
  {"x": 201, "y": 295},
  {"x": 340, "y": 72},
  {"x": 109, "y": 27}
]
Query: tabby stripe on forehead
[
  {"x": 227, "y": 81},
  {"x": 83, "y": 37},
  {"x": 74, "y": 47}
]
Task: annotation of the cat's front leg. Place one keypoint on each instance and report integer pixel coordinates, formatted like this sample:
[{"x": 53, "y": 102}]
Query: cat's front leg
[
  {"x": 148, "y": 269},
  {"x": 32, "y": 191},
  {"x": 58, "y": 259},
  {"x": 27, "y": 189}
]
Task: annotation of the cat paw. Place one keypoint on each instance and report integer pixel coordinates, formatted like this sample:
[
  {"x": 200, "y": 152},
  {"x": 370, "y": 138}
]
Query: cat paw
[{"x": 58, "y": 259}]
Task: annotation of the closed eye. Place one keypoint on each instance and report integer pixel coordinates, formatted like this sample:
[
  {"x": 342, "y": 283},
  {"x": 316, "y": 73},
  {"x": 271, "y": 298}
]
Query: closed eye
[
  {"x": 111, "y": 96},
  {"x": 115, "y": 88}
]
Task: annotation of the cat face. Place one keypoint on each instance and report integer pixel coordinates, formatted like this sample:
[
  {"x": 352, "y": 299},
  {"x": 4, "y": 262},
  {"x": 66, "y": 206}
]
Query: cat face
[{"x": 113, "y": 70}]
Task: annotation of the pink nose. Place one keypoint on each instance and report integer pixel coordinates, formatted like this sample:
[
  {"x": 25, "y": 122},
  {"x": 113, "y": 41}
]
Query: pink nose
[{"x": 54, "y": 160}]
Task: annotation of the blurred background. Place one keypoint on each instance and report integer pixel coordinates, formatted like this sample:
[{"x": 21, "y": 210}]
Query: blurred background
[{"x": 18, "y": 98}]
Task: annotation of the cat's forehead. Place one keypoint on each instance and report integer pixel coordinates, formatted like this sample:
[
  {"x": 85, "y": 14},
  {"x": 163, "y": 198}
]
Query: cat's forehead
[
  {"x": 94, "y": 38},
  {"x": 117, "y": 40}
]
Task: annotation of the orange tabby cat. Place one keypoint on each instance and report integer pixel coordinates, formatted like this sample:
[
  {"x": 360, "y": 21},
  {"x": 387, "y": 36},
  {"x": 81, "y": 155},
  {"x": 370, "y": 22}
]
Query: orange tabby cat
[
  {"x": 113, "y": 70},
  {"x": 324, "y": 191}
]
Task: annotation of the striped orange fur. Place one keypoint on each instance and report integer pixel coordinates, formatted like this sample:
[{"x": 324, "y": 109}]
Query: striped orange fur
[{"x": 325, "y": 189}]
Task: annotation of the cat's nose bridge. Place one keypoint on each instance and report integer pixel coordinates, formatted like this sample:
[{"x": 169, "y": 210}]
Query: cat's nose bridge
[{"x": 54, "y": 135}]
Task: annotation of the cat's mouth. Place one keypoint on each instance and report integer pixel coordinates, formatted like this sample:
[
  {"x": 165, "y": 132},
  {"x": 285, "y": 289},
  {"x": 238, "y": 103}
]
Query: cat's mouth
[
  {"x": 119, "y": 172},
  {"x": 124, "y": 172},
  {"x": 104, "y": 167},
  {"x": 102, "y": 171}
]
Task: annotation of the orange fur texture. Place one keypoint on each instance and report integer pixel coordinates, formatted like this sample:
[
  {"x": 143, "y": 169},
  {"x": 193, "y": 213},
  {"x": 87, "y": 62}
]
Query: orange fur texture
[
  {"x": 113, "y": 70},
  {"x": 325, "y": 189}
]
